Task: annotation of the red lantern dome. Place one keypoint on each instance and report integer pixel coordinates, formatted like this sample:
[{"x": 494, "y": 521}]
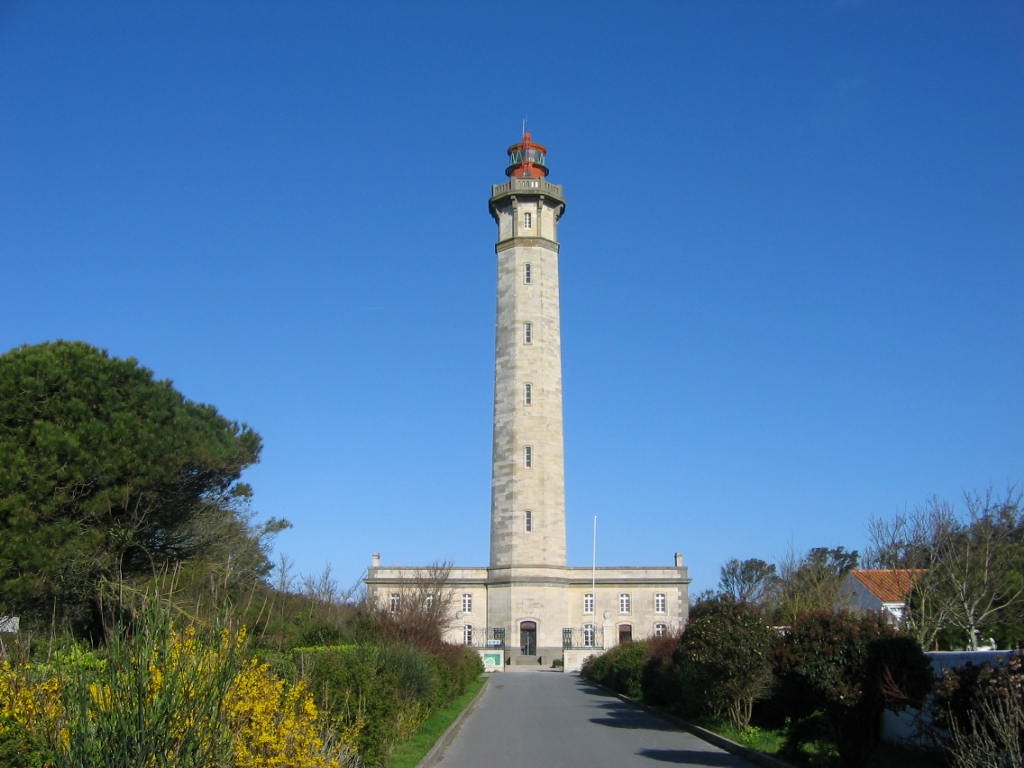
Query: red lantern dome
[{"x": 526, "y": 159}]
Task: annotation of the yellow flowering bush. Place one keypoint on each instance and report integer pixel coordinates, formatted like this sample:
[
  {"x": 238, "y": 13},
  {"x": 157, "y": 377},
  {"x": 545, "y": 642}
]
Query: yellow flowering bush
[
  {"x": 29, "y": 703},
  {"x": 274, "y": 725},
  {"x": 31, "y": 716},
  {"x": 164, "y": 699}
]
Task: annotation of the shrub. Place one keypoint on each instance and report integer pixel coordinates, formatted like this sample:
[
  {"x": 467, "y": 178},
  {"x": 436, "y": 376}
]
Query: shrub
[
  {"x": 162, "y": 697},
  {"x": 380, "y": 694},
  {"x": 273, "y": 724},
  {"x": 722, "y": 661},
  {"x": 981, "y": 709},
  {"x": 658, "y": 681},
  {"x": 416, "y": 676},
  {"x": 23, "y": 748},
  {"x": 595, "y": 668},
  {"x": 31, "y": 716},
  {"x": 349, "y": 681},
  {"x": 620, "y": 668},
  {"x": 849, "y": 668}
]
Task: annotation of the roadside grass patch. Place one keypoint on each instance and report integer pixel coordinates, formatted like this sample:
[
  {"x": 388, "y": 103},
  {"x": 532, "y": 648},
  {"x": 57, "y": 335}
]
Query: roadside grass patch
[
  {"x": 819, "y": 754},
  {"x": 410, "y": 753},
  {"x": 766, "y": 740}
]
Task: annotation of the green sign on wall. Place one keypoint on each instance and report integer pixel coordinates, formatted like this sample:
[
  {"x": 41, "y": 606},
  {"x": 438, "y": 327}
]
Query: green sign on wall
[{"x": 492, "y": 661}]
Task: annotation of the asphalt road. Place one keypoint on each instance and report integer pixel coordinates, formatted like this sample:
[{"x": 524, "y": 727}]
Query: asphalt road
[{"x": 546, "y": 719}]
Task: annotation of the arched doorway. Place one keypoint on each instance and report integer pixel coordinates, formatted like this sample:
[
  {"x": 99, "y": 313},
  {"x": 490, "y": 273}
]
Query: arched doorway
[
  {"x": 528, "y": 637},
  {"x": 625, "y": 633}
]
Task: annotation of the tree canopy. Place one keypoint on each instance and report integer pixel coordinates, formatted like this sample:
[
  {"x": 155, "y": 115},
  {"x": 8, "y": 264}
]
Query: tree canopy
[
  {"x": 748, "y": 581},
  {"x": 972, "y": 582},
  {"x": 107, "y": 473},
  {"x": 812, "y": 582}
]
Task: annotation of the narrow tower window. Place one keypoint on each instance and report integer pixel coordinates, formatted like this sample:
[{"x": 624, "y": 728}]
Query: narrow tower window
[
  {"x": 528, "y": 333},
  {"x": 528, "y": 394},
  {"x": 588, "y": 603},
  {"x": 528, "y": 456},
  {"x": 528, "y": 273},
  {"x": 529, "y": 521},
  {"x": 527, "y": 220}
]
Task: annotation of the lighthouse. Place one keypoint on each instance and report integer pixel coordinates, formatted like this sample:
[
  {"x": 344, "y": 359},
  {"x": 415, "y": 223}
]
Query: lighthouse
[
  {"x": 527, "y": 458},
  {"x": 529, "y": 606}
]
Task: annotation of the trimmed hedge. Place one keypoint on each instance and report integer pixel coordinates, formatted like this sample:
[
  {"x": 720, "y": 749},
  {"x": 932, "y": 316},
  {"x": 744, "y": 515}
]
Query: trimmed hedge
[{"x": 383, "y": 693}]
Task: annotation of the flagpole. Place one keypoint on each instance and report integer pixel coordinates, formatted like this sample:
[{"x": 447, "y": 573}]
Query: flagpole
[{"x": 593, "y": 572}]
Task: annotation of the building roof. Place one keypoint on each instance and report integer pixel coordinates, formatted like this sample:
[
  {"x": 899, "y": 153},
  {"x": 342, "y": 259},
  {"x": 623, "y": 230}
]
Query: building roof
[{"x": 890, "y": 585}]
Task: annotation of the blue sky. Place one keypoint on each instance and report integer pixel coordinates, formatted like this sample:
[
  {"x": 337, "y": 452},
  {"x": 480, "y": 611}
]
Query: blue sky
[{"x": 791, "y": 260}]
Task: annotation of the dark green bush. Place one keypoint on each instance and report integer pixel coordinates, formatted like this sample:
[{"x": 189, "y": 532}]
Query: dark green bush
[
  {"x": 723, "y": 661},
  {"x": 464, "y": 666},
  {"x": 320, "y": 633},
  {"x": 849, "y": 668},
  {"x": 351, "y": 682},
  {"x": 415, "y": 675},
  {"x": 620, "y": 668},
  {"x": 594, "y": 668},
  {"x": 22, "y": 748},
  {"x": 628, "y": 666}
]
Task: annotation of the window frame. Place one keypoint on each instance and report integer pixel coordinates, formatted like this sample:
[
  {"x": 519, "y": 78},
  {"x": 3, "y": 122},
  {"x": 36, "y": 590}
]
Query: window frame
[
  {"x": 625, "y": 603},
  {"x": 588, "y": 604},
  {"x": 527, "y": 332},
  {"x": 528, "y": 393},
  {"x": 528, "y": 520},
  {"x": 589, "y": 635},
  {"x": 528, "y": 273},
  {"x": 467, "y": 602},
  {"x": 467, "y": 634},
  {"x": 528, "y": 456},
  {"x": 660, "y": 603}
]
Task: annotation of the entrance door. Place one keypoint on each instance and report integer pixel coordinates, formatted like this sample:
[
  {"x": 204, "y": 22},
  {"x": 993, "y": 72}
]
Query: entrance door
[{"x": 528, "y": 637}]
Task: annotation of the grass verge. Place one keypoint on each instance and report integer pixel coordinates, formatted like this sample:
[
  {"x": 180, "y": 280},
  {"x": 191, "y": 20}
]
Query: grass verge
[
  {"x": 821, "y": 754},
  {"x": 761, "y": 739},
  {"x": 409, "y": 754}
]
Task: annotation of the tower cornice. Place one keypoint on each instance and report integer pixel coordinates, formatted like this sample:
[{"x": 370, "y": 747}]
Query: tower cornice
[
  {"x": 516, "y": 187},
  {"x": 526, "y": 242}
]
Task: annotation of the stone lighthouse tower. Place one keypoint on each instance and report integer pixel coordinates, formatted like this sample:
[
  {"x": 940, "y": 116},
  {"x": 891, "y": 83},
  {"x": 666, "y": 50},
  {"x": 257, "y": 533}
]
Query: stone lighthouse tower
[
  {"x": 527, "y": 568},
  {"x": 527, "y": 473}
]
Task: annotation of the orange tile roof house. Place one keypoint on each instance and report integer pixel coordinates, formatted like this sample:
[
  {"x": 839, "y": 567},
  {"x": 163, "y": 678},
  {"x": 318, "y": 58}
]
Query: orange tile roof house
[{"x": 878, "y": 590}]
